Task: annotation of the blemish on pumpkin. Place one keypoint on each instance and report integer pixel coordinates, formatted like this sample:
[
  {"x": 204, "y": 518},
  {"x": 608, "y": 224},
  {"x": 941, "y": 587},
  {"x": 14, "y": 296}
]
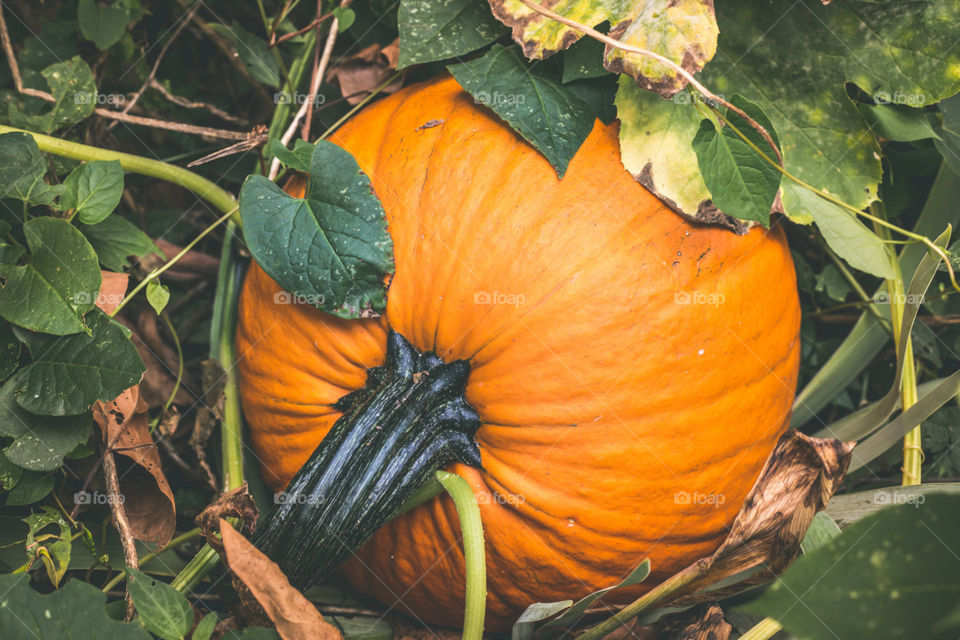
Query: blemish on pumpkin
[{"x": 429, "y": 124}]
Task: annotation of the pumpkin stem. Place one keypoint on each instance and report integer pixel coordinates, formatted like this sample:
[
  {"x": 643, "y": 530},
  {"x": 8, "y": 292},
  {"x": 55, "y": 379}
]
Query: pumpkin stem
[{"x": 409, "y": 420}]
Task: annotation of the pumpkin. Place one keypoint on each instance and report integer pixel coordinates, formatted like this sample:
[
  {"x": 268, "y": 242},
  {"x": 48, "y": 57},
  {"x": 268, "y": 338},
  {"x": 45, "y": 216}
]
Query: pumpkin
[{"x": 631, "y": 370}]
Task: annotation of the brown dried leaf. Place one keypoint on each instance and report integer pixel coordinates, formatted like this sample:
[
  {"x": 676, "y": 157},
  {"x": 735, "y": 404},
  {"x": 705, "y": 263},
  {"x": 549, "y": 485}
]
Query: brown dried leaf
[
  {"x": 112, "y": 289},
  {"x": 797, "y": 481},
  {"x": 209, "y": 414},
  {"x": 147, "y": 497},
  {"x": 366, "y": 70},
  {"x": 236, "y": 503},
  {"x": 700, "y": 623},
  {"x": 294, "y": 616},
  {"x": 161, "y": 362}
]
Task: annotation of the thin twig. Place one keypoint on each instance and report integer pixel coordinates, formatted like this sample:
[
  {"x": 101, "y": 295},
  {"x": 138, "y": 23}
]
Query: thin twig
[
  {"x": 120, "y": 519},
  {"x": 156, "y": 63},
  {"x": 686, "y": 75},
  {"x": 272, "y": 38},
  {"x": 314, "y": 87},
  {"x": 299, "y": 32},
  {"x": 190, "y": 104}
]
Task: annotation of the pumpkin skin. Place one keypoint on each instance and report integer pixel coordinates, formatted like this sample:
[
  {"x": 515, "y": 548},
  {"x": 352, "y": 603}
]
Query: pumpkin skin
[{"x": 632, "y": 370}]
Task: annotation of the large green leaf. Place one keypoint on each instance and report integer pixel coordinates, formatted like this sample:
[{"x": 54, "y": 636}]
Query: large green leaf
[
  {"x": 39, "y": 442},
  {"x": 163, "y": 610},
  {"x": 94, "y": 190},
  {"x": 548, "y": 115},
  {"x": 440, "y": 29},
  {"x": 22, "y": 168},
  {"x": 116, "y": 240},
  {"x": 684, "y": 31},
  {"x": 58, "y": 285},
  {"x": 70, "y": 373},
  {"x": 891, "y": 575},
  {"x": 330, "y": 249},
  {"x": 793, "y": 61},
  {"x": 254, "y": 53},
  {"x": 102, "y": 24},
  {"x": 74, "y": 92},
  {"x": 74, "y": 612}
]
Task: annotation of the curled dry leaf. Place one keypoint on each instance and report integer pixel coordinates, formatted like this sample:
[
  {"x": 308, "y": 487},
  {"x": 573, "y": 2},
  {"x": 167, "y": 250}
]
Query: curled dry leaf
[
  {"x": 264, "y": 587},
  {"x": 236, "y": 503},
  {"x": 701, "y": 623},
  {"x": 145, "y": 494},
  {"x": 798, "y": 480},
  {"x": 366, "y": 70},
  {"x": 112, "y": 289},
  {"x": 684, "y": 31}
]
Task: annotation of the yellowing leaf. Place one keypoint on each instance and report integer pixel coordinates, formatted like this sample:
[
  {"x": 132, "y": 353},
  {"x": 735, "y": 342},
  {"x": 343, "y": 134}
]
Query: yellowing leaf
[{"x": 684, "y": 31}]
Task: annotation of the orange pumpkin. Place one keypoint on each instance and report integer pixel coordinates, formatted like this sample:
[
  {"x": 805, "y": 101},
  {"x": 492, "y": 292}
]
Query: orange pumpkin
[{"x": 632, "y": 370}]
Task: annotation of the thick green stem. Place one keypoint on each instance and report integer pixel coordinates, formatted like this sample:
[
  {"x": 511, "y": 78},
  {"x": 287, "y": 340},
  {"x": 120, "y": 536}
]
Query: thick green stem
[
  {"x": 408, "y": 421},
  {"x": 189, "y": 535},
  {"x": 203, "y": 188},
  {"x": 474, "y": 557}
]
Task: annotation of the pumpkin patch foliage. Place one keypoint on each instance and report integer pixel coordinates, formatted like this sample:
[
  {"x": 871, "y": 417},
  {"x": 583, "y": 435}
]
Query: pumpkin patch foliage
[{"x": 362, "y": 320}]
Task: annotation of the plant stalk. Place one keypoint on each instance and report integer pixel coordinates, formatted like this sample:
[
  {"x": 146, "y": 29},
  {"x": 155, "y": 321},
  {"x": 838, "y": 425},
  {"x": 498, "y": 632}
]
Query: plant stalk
[{"x": 763, "y": 630}]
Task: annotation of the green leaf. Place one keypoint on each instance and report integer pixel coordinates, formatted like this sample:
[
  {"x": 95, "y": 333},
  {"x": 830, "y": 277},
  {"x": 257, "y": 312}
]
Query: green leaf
[
  {"x": 163, "y": 610},
  {"x": 55, "y": 553},
  {"x": 74, "y": 92},
  {"x": 345, "y": 17},
  {"x": 22, "y": 168},
  {"x": 116, "y": 240},
  {"x": 74, "y": 612},
  {"x": 9, "y": 351},
  {"x": 254, "y": 53},
  {"x": 10, "y": 474},
  {"x": 684, "y": 31},
  {"x": 822, "y": 530},
  {"x": 548, "y": 116},
  {"x": 890, "y": 575},
  {"x": 102, "y": 25},
  {"x": 948, "y": 141},
  {"x": 740, "y": 181},
  {"x": 32, "y": 487},
  {"x": 848, "y": 237},
  {"x": 59, "y": 284},
  {"x": 94, "y": 190},
  {"x": 896, "y": 122},
  {"x": 794, "y": 64},
  {"x": 440, "y": 29},
  {"x": 297, "y": 158},
  {"x": 39, "y": 442},
  {"x": 205, "y": 627},
  {"x": 158, "y": 295},
  {"x": 330, "y": 249},
  {"x": 583, "y": 60},
  {"x": 70, "y": 373}
]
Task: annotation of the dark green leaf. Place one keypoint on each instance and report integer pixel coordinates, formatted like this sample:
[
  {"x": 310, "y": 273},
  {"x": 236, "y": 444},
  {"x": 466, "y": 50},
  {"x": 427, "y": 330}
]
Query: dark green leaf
[
  {"x": 547, "y": 115},
  {"x": 74, "y": 92},
  {"x": 205, "y": 627},
  {"x": 822, "y": 530},
  {"x": 59, "y": 284},
  {"x": 70, "y": 373},
  {"x": 39, "y": 442},
  {"x": 897, "y": 122},
  {"x": 94, "y": 190},
  {"x": 104, "y": 25},
  {"x": 74, "y": 612},
  {"x": 890, "y": 575},
  {"x": 948, "y": 142},
  {"x": 583, "y": 60},
  {"x": 741, "y": 183},
  {"x": 22, "y": 168},
  {"x": 440, "y": 29},
  {"x": 116, "y": 240},
  {"x": 163, "y": 610},
  {"x": 32, "y": 487},
  {"x": 9, "y": 351},
  {"x": 10, "y": 474},
  {"x": 254, "y": 53},
  {"x": 297, "y": 158},
  {"x": 330, "y": 249}
]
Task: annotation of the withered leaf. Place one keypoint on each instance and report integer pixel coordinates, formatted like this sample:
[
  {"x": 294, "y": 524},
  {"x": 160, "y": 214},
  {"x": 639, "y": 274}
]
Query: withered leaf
[
  {"x": 366, "y": 70},
  {"x": 236, "y": 503},
  {"x": 112, "y": 289},
  {"x": 701, "y": 623},
  {"x": 294, "y": 616},
  {"x": 147, "y": 497}
]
